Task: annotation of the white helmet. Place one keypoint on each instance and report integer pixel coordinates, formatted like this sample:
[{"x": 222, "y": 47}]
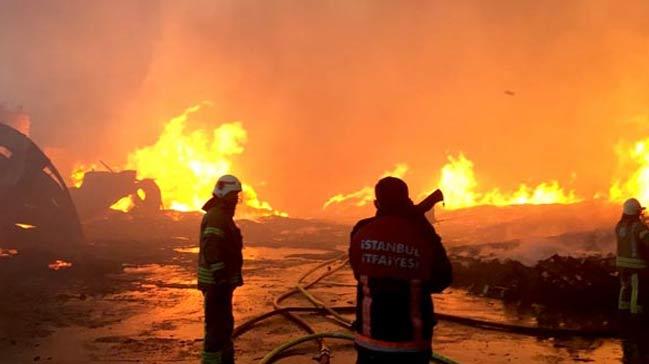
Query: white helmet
[
  {"x": 632, "y": 207},
  {"x": 226, "y": 184}
]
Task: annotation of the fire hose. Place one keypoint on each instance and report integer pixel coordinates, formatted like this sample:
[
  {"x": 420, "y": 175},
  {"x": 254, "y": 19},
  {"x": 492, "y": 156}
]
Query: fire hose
[{"x": 334, "y": 313}]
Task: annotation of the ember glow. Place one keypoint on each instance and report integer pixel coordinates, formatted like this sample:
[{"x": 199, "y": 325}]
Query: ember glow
[
  {"x": 8, "y": 252},
  {"x": 26, "y": 226},
  {"x": 633, "y": 180},
  {"x": 59, "y": 265},
  {"x": 461, "y": 189}
]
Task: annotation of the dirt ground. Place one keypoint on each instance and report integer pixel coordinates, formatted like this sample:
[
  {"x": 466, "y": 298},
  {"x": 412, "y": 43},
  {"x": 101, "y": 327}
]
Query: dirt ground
[{"x": 129, "y": 296}]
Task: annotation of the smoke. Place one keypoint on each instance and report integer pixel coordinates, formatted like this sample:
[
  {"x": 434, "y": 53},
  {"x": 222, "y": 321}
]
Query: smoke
[
  {"x": 528, "y": 233},
  {"x": 17, "y": 119},
  {"x": 73, "y": 66},
  {"x": 333, "y": 91}
]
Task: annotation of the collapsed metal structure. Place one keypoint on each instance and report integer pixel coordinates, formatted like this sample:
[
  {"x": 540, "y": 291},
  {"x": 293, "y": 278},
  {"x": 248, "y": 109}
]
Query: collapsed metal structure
[
  {"x": 34, "y": 198},
  {"x": 101, "y": 189}
]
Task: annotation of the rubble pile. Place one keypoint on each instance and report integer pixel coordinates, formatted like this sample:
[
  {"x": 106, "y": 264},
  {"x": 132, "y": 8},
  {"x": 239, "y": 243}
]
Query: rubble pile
[{"x": 588, "y": 283}]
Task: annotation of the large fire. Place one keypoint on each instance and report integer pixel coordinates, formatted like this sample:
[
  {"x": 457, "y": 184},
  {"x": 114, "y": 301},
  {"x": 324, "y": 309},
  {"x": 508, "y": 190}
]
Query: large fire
[
  {"x": 632, "y": 158},
  {"x": 460, "y": 187},
  {"x": 186, "y": 164}
]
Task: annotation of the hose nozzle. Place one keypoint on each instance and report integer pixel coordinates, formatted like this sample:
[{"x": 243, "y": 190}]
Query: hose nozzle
[{"x": 429, "y": 202}]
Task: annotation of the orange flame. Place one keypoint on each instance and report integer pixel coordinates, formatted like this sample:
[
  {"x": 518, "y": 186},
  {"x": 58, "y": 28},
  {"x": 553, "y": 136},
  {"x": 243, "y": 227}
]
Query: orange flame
[
  {"x": 636, "y": 158},
  {"x": 79, "y": 171},
  {"x": 185, "y": 165},
  {"x": 459, "y": 184},
  {"x": 125, "y": 204}
]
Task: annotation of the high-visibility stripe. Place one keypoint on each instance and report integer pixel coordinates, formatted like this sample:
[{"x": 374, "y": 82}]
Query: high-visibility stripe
[
  {"x": 391, "y": 346},
  {"x": 211, "y": 358},
  {"x": 623, "y": 301},
  {"x": 212, "y": 268},
  {"x": 634, "y": 263},
  {"x": 210, "y": 230},
  {"x": 415, "y": 310},
  {"x": 217, "y": 266},
  {"x": 205, "y": 280},
  {"x": 635, "y": 291},
  {"x": 367, "y": 306},
  {"x": 205, "y": 275}
]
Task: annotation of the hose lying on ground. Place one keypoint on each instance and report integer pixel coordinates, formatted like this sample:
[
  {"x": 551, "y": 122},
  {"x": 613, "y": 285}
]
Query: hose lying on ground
[
  {"x": 334, "y": 313},
  {"x": 333, "y": 335}
]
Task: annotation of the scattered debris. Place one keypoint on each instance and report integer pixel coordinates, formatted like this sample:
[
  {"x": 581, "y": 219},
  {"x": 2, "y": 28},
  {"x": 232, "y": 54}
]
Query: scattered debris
[
  {"x": 59, "y": 265},
  {"x": 8, "y": 252}
]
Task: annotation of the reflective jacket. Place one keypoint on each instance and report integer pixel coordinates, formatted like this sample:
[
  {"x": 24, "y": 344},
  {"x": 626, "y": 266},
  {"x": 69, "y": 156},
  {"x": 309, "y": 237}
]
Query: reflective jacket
[
  {"x": 219, "y": 257},
  {"x": 632, "y": 245},
  {"x": 398, "y": 261}
]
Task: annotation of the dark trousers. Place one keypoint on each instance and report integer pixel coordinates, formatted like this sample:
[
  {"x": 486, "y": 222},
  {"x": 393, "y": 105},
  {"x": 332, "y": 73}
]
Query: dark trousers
[
  {"x": 219, "y": 324},
  {"x": 366, "y": 356},
  {"x": 635, "y": 339}
]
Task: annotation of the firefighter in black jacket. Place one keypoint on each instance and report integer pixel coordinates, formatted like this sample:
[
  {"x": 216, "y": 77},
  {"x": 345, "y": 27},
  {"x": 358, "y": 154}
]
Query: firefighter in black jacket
[
  {"x": 219, "y": 269},
  {"x": 399, "y": 261}
]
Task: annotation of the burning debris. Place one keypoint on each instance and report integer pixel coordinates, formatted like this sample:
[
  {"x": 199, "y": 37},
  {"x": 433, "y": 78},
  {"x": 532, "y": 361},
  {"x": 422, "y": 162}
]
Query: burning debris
[
  {"x": 100, "y": 191},
  {"x": 4, "y": 253},
  {"x": 59, "y": 265},
  {"x": 35, "y": 201}
]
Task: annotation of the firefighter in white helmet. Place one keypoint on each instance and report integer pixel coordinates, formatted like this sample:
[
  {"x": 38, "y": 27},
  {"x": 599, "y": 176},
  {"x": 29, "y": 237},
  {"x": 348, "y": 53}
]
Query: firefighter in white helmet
[
  {"x": 219, "y": 269},
  {"x": 632, "y": 256},
  {"x": 632, "y": 263}
]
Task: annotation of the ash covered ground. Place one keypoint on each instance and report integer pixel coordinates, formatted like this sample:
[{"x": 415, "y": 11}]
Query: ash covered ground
[{"x": 129, "y": 294}]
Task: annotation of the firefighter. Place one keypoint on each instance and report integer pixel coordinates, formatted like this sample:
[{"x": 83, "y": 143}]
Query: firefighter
[
  {"x": 632, "y": 257},
  {"x": 219, "y": 269},
  {"x": 632, "y": 263},
  {"x": 398, "y": 261}
]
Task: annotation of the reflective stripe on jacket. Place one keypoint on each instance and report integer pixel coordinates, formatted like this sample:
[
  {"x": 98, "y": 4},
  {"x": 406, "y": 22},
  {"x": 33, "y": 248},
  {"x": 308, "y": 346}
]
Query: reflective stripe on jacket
[
  {"x": 632, "y": 245},
  {"x": 219, "y": 257},
  {"x": 398, "y": 261},
  {"x": 631, "y": 261}
]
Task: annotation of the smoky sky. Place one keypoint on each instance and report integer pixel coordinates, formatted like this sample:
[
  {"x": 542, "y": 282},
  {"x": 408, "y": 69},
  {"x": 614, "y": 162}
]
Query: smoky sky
[{"x": 334, "y": 93}]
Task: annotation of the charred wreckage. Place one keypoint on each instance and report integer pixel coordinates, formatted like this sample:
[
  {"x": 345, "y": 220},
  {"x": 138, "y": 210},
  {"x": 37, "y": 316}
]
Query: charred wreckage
[{"x": 37, "y": 205}]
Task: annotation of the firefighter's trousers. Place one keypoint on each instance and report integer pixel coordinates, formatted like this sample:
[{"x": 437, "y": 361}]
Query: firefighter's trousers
[{"x": 219, "y": 324}]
